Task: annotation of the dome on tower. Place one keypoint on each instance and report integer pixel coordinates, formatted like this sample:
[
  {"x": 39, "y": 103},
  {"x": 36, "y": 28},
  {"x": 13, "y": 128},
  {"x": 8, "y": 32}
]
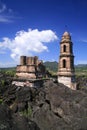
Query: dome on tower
[{"x": 66, "y": 34}]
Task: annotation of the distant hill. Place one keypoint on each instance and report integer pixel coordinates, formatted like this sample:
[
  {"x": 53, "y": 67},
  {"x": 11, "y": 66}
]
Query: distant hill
[
  {"x": 7, "y": 69},
  {"x": 80, "y": 69},
  {"x": 52, "y": 66},
  {"x": 81, "y": 65}
]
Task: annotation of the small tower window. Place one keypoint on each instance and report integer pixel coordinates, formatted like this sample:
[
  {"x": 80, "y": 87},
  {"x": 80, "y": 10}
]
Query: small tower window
[
  {"x": 64, "y": 63},
  {"x": 64, "y": 48}
]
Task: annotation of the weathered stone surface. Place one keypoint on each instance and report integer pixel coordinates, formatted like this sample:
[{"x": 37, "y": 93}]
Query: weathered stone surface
[
  {"x": 30, "y": 67},
  {"x": 5, "y": 118},
  {"x": 11, "y": 121},
  {"x": 82, "y": 83},
  {"x": 67, "y": 81},
  {"x": 51, "y": 107},
  {"x": 22, "y": 123},
  {"x": 66, "y": 71}
]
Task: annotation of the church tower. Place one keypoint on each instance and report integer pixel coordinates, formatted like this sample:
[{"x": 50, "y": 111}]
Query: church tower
[{"x": 66, "y": 72}]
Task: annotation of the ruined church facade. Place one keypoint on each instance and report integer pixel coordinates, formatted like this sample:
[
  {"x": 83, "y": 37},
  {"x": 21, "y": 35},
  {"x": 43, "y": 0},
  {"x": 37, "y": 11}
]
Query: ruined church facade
[
  {"x": 66, "y": 71},
  {"x": 30, "y": 68}
]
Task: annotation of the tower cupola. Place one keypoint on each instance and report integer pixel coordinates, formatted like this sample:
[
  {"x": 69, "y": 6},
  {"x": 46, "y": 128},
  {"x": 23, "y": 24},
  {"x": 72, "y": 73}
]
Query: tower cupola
[{"x": 66, "y": 37}]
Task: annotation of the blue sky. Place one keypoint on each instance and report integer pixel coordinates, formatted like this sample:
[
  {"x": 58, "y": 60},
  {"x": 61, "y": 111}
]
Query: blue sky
[{"x": 35, "y": 27}]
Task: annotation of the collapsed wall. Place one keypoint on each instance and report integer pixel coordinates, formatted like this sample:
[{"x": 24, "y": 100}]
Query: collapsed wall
[{"x": 30, "y": 68}]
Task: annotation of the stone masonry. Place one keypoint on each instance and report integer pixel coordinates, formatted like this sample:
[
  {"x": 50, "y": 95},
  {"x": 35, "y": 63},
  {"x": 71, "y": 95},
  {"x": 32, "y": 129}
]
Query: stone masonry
[
  {"x": 66, "y": 72},
  {"x": 30, "y": 68}
]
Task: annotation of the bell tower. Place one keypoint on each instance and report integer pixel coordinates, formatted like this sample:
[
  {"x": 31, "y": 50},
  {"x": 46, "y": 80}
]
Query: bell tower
[{"x": 66, "y": 72}]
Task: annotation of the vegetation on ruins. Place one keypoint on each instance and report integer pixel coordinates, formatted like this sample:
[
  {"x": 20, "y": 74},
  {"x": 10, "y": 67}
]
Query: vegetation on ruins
[{"x": 27, "y": 112}]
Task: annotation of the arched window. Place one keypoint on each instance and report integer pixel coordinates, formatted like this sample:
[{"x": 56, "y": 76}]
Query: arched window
[
  {"x": 64, "y": 63},
  {"x": 64, "y": 48}
]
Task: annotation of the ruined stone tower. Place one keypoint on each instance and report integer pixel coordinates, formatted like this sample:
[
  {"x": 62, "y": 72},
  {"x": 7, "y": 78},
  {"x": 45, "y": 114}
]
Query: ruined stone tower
[
  {"x": 30, "y": 68},
  {"x": 66, "y": 72}
]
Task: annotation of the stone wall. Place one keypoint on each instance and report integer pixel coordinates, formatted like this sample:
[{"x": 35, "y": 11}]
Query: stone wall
[
  {"x": 23, "y": 60},
  {"x": 21, "y": 68},
  {"x": 30, "y": 67},
  {"x": 68, "y": 81},
  {"x": 28, "y": 60},
  {"x": 26, "y": 75},
  {"x": 26, "y": 68}
]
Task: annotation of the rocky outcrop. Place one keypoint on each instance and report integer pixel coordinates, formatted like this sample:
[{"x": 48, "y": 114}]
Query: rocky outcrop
[
  {"x": 12, "y": 121},
  {"x": 82, "y": 83},
  {"x": 51, "y": 107}
]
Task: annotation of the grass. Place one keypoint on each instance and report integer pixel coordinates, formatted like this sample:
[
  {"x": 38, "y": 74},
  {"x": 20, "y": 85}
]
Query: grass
[
  {"x": 2, "y": 82},
  {"x": 1, "y": 100},
  {"x": 26, "y": 113},
  {"x": 81, "y": 71},
  {"x": 8, "y": 71}
]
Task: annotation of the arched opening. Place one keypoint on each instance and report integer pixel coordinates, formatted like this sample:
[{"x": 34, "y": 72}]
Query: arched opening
[
  {"x": 64, "y": 63},
  {"x": 64, "y": 48}
]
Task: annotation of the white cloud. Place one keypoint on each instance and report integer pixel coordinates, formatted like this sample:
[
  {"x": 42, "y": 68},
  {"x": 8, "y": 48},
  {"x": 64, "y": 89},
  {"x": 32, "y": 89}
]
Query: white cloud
[
  {"x": 85, "y": 41},
  {"x": 28, "y": 42},
  {"x": 82, "y": 40},
  {"x": 2, "y": 7},
  {"x": 82, "y": 62},
  {"x": 6, "y": 14},
  {"x": 5, "y": 19}
]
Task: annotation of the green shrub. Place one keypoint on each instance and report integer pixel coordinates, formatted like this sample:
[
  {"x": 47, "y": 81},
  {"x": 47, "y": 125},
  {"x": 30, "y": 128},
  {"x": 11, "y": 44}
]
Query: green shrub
[
  {"x": 2, "y": 82},
  {"x": 1, "y": 100},
  {"x": 26, "y": 113},
  {"x": 10, "y": 73}
]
